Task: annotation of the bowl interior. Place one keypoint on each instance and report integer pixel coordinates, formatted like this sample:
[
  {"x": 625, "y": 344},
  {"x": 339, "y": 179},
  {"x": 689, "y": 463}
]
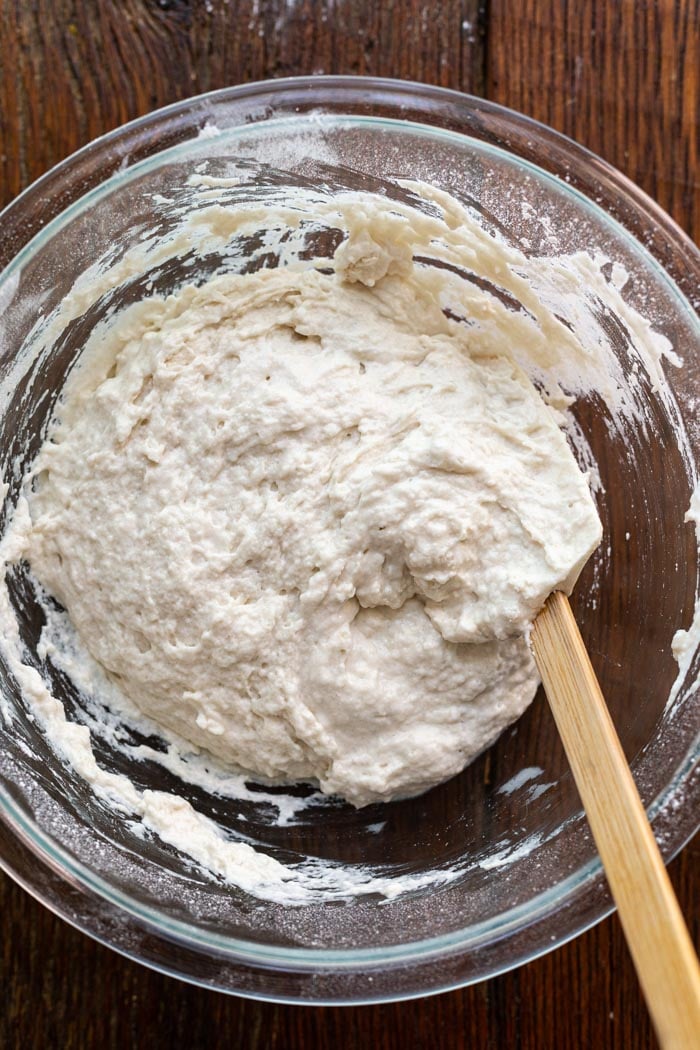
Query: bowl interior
[{"x": 511, "y": 823}]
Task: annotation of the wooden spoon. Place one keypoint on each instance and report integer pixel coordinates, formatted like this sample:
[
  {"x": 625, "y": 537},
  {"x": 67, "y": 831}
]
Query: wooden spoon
[{"x": 656, "y": 934}]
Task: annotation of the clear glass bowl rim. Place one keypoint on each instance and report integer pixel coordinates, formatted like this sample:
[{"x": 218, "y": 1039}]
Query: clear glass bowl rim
[{"x": 582, "y": 895}]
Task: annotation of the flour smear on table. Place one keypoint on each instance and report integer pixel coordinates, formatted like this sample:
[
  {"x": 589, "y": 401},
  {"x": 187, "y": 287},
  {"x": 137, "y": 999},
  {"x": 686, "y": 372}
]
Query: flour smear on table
[{"x": 302, "y": 518}]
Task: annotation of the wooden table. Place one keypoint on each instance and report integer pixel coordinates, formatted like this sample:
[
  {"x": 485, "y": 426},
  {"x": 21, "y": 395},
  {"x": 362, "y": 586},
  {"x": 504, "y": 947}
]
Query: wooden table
[{"x": 621, "y": 76}]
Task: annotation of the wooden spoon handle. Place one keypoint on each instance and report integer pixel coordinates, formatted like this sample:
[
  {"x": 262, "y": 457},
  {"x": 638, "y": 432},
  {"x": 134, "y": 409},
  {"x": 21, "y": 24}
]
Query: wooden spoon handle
[{"x": 656, "y": 933}]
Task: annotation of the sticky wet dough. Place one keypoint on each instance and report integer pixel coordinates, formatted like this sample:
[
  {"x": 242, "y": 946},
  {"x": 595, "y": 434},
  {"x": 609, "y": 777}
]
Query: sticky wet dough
[{"x": 303, "y": 523}]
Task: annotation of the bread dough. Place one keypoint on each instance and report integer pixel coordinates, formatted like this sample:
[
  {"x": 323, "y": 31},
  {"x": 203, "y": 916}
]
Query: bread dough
[{"x": 304, "y": 525}]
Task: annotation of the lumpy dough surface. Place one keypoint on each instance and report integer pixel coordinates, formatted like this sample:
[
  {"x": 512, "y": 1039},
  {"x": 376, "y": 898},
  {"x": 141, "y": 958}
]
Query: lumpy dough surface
[{"x": 303, "y": 526}]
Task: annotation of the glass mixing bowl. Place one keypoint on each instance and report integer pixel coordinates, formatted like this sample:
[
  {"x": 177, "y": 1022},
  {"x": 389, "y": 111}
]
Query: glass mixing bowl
[{"x": 513, "y": 820}]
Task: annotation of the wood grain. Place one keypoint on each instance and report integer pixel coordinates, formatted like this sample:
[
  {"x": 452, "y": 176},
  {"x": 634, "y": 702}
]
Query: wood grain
[
  {"x": 62, "y": 990},
  {"x": 622, "y": 78},
  {"x": 72, "y": 69}
]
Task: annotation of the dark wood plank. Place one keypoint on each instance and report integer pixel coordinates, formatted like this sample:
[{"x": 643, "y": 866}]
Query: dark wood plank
[
  {"x": 73, "y": 69},
  {"x": 63, "y": 990},
  {"x": 622, "y": 78}
]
